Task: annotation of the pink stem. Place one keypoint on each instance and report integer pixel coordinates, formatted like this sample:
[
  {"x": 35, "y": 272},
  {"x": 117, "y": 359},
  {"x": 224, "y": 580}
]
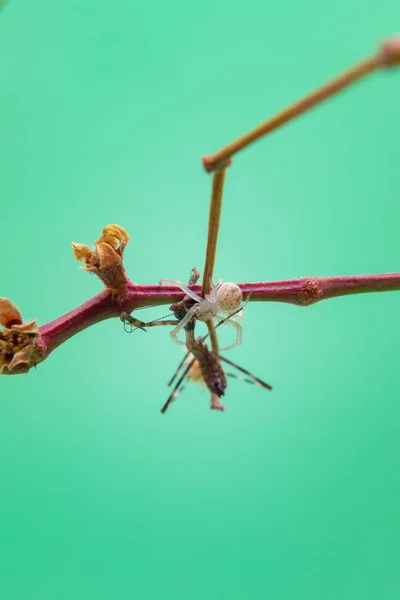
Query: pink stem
[{"x": 301, "y": 292}]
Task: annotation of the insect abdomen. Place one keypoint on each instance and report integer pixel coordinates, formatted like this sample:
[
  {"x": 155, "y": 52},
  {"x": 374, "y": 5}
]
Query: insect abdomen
[{"x": 211, "y": 370}]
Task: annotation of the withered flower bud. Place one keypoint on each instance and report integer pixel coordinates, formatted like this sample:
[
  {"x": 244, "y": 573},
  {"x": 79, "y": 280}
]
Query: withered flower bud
[
  {"x": 17, "y": 340},
  {"x": 105, "y": 260}
]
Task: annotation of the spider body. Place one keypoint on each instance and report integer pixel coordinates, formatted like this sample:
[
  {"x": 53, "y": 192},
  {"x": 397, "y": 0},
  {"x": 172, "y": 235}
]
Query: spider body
[{"x": 223, "y": 298}]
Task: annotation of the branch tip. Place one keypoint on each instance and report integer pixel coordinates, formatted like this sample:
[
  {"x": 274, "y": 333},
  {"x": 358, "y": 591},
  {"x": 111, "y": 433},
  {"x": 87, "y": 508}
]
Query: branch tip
[{"x": 389, "y": 52}]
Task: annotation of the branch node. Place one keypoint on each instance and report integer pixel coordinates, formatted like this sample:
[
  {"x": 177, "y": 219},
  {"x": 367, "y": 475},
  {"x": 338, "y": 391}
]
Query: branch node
[
  {"x": 210, "y": 164},
  {"x": 310, "y": 293}
]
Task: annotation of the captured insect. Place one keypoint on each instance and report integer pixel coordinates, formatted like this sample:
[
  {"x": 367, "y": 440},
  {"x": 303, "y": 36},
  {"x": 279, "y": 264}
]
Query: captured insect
[{"x": 202, "y": 366}]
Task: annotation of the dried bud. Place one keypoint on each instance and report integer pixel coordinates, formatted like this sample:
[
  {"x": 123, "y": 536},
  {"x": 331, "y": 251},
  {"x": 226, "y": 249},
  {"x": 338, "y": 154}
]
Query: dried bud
[
  {"x": 9, "y": 313},
  {"x": 106, "y": 258},
  {"x": 17, "y": 340},
  {"x": 81, "y": 252}
]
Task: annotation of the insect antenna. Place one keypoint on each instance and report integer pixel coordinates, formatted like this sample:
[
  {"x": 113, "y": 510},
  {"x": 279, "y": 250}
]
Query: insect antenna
[{"x": 177, "y": 389}]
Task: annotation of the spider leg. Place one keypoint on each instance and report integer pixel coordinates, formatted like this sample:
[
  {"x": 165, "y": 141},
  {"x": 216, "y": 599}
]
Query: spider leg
[
  {"x": 186, "y": 319},
  {"x": 239, "y": 316},
  {"x": 224, "y": 320},
  {"x": 238, "y": 327},
  {"x": 238, "y": 311},
  {"x": 183, "y": 287}
]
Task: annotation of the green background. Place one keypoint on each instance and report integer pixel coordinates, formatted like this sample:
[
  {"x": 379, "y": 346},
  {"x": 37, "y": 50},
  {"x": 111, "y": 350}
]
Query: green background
[{"x": 106, "y": 108}]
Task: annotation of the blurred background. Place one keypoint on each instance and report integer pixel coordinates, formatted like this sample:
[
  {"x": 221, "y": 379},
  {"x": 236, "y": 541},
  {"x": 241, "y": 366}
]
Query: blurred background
[{"x": 106, "y": 109}]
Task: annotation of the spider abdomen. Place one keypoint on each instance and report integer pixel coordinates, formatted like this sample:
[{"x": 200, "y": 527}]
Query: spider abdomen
[{"x": 229, "y": 296}]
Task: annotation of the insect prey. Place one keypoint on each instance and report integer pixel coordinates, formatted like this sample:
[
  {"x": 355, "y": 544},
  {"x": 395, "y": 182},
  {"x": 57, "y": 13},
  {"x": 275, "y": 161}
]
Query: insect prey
[{"x": 203, "y": 366}]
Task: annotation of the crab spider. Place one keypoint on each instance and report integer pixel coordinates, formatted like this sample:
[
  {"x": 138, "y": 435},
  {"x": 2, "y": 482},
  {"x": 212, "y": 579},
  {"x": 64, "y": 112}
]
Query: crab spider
[{"x": 222, "y": 299}]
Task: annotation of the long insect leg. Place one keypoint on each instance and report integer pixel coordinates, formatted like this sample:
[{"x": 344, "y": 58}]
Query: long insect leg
[
  {"x": 256, "y": 380},
  {"x": 176, "y": 389},
  {"x": 127, "y": 319},
  {"x": 239, "y": 377},
  {"x": 178, "y": 369},
  {"x": 158, "y": 322}
]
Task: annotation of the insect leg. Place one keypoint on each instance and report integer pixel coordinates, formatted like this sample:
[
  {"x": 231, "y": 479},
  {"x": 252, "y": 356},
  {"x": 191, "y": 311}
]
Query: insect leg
[
  {"x": 176, "y": 389},
  {"x": 239, "y": 377},
  {"x": 171, "y": 381},
  {"x": 126, "y": 318},
  {"x": 256, "y": 380},
  {"x": 156, "y": 323}
]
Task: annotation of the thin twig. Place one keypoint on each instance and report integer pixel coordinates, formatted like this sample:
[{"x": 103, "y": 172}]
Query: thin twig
[
  {"x": 212, "y": 240},
  {"x": 213, "y": 228},
  {"x": 213, "y": 337},
  {"x": 387, "y": 56}
]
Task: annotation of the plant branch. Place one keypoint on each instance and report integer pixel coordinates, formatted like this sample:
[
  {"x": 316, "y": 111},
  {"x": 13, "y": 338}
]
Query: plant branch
[
  {"x": 388, "y": 55},
  {"x": 300, "y": 292},
  {"x": 213, "y": 228}
]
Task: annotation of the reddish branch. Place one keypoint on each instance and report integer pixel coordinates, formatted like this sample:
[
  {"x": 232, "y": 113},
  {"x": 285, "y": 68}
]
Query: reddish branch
[{"x": 301, "y": 292}]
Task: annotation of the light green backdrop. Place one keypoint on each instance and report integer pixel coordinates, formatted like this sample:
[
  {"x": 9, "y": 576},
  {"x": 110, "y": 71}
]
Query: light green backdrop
[{"x": 106, "y": 108}]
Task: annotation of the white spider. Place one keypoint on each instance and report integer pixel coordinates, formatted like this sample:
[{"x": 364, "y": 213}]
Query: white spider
[{"x": 223, "y": 299}]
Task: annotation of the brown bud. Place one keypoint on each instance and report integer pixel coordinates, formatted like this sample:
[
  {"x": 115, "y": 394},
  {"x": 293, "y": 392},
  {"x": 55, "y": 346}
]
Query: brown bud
[
  {"x": 81, "y": 252},
  {"x": 9, "y": 313},
  {"x": 17, "y": 340},
  {"x": 105, "y": 260}
]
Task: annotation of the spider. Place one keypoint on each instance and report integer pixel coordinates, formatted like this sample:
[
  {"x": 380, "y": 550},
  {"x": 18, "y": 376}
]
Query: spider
[{"x": 223, "y": 298}]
